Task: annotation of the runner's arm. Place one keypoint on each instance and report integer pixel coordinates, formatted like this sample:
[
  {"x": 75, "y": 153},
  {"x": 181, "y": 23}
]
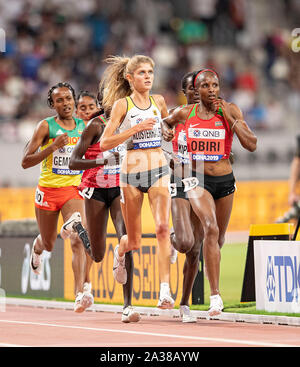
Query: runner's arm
[
  {"x": 32, "y": 156},
  {"x": 91, "y": 133}
]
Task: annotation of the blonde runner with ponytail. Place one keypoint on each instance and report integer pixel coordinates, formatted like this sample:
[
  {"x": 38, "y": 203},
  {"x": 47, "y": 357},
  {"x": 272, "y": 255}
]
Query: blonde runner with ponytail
[{"x": 135, "y": 121}]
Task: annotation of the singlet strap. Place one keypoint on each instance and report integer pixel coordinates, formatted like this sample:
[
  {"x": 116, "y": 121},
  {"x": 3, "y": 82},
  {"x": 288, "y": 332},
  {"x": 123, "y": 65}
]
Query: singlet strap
[
  {"x": 225, "y": 122},
  {"x": 193, "y": 111},
  {"x": 220, "y": 111},
  {"x": 153, "y": 102},
  {"x": 103, "y": 119},
  {"x": 130, "y": 103}
]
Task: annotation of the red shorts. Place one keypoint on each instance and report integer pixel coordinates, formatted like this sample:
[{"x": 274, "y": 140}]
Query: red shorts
[{"x": 54, "y": 198}]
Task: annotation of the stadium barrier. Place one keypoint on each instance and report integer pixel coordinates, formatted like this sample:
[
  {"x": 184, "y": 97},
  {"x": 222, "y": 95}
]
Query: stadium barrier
[
  {"x": 255, "y": 202},
  {"x": 145, "y": 275},
  {"x": 17, "y": 279},
  {"x": 277, "y": 275},
  {"x": 276, "y": 232},
  {"x": 57, "y": 279}
]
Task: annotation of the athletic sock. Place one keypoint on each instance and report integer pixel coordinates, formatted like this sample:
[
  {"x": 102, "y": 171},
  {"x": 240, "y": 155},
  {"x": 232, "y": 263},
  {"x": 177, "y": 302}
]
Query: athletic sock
[{"x": 164, "y": 287}]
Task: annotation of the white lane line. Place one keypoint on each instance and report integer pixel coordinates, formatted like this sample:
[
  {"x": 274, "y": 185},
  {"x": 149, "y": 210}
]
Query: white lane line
[
  {"x": 12, "y": 345},
  {"x": 185, "y": 337}
]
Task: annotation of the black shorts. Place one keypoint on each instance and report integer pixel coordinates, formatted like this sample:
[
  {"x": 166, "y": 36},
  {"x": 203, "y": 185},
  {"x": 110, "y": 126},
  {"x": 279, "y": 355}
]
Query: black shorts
[
  {"x": 106, "y": 195},
  {"x": 218, "y": 186},
  {"x": 144, "y": 180}
]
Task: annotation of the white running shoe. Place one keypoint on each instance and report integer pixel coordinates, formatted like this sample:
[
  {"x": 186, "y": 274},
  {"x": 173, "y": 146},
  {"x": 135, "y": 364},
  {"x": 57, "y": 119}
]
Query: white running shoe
[
  {"x": 78, "y": 307},
  {"x": 216, "y": 305},
  {"x": 36, "y": 260},
  {"x": 130, "y": 315},
  {"x": 67, "y": 227},
  {"x": 165, "y": 301},
  {"x": 87, "y": 287},
  {"x": 173, "y": 256},
  {"x": 119, "y": 270},
  {"x": 87, "y": 299},
  {"x": 186, "y": 314}
]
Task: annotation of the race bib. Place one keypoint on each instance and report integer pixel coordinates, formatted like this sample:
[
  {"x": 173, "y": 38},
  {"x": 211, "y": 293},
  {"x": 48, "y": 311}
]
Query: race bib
[
  {"x": 148, "y": 138},
  {"x": 172, "y": 189},
  {"x": 182, "y": 152},
  {"x": 190, "y": 183},
  {"x": 206, "y": 144},
  {"x": 87, "y": 192},
  {"x": 39, "y": 196},
  {"x": 61, "y": 160}
]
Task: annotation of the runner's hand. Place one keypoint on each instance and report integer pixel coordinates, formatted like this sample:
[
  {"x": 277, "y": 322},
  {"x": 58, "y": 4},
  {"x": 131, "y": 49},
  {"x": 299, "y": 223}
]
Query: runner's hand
[
  {"x": 61, "y": 141},
  {"x": 146, "y": 124}
]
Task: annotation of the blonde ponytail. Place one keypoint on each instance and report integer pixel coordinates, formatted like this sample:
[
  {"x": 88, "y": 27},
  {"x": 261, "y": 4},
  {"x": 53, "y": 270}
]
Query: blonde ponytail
[{"x": 114, "y": 84}]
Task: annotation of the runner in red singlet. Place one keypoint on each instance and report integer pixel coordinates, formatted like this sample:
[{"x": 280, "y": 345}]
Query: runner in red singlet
[
  {"x": 100, "y": 187},
  {"x": 87, "y": 106},
  {"x": 210, "y": 126}
]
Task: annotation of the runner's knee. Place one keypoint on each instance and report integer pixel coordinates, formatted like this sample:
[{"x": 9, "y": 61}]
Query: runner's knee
[
  {"x": 162, "y": 230},
  {"x": 211, "y": 231},
  {"x": 184, "y": 241}
]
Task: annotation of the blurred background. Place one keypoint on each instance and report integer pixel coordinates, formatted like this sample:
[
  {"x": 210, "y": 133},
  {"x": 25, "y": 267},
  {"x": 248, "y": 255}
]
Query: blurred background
[{"x": 247, "y": 42}]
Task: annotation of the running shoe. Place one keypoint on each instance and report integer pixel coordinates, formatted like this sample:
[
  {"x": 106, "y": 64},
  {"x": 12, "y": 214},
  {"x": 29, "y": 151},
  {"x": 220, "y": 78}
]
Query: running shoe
[
  {"x": 78, "y": 307},
  {"x": 186, "y": 314},
  {"x": 216, "y": 305},
  {"x": 87, "y": 287},
  {"x": 67, "y": 228},
  {"x": 119, "y": 270},
  {"x": 87, "y": 299},
  {"x": 165, "y": 301},
  {"x": 35, "y": 260},
  {"x": 130, "y": 315}
]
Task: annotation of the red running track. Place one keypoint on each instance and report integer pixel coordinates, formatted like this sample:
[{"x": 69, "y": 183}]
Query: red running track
[{"x": 43, "y": 327}]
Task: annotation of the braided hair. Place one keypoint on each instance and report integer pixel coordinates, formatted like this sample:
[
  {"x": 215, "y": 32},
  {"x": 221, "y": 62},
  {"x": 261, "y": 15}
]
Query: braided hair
[{"x": 59, "y": 85}]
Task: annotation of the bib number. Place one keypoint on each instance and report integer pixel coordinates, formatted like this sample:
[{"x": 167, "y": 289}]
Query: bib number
[
  {"x": 190, "y": 183},
  {"x": 87, "y": 192},
  {"x": 39, "y": 196},
  {"x": 172, "y": 189}
]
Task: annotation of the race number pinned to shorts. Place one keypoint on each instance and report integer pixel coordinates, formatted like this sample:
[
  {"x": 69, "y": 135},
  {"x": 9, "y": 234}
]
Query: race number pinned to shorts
[
  {"x": 87, "y": 192},
  {"x": 190, "y": 183},
  {"x": 172, "y": 189},
  {"x": 39, "y": 197}
]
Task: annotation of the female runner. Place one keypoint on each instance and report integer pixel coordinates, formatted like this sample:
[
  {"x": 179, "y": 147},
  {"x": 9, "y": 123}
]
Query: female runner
[
  {"x": 137, "y": 116},
  {"x": 210, "y": 126}
]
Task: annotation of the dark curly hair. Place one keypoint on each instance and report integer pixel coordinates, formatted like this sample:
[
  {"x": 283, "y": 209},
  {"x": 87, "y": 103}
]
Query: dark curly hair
[{"x": 59, "y": 85}]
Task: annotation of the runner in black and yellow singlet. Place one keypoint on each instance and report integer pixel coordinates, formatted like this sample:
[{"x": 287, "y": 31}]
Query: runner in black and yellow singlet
[{"x": 126, "y": 90}]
